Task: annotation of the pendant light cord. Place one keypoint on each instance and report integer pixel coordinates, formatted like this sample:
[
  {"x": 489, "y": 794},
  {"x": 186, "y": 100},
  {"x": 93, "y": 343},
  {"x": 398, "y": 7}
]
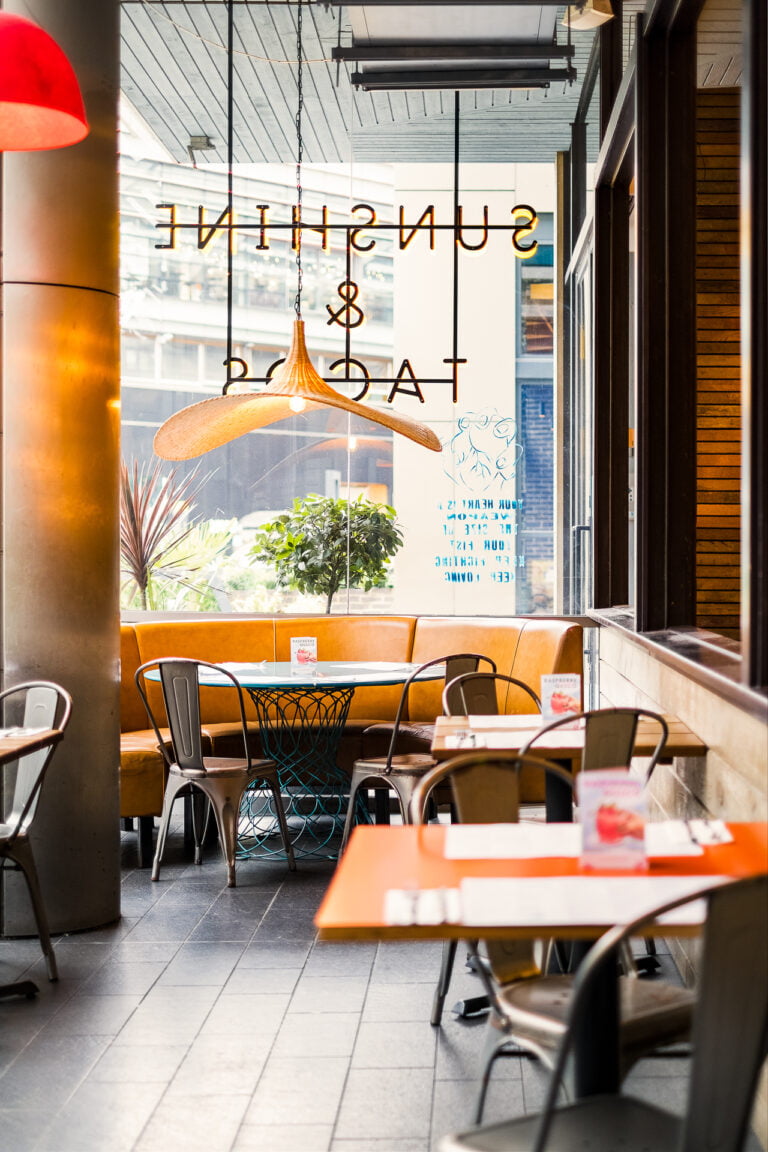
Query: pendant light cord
[{"x": 299, "y": 155}]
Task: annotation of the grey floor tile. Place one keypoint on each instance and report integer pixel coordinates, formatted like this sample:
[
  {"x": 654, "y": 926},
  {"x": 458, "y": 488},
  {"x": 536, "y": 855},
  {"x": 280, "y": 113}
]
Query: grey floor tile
[
  {"x": 460, "y": 1048},
  {"x": 399, "y": 1001},
  {"x": 266, "y": 954},
  {"x": 407, "y": 960},
  {"x": 379, "y": 1146},
  {"x": 386, "y": 1104},
  {"x": 100, "y": 1116},
  {"x": 221, "y": 1066},
  {"x": 248, "y": 1014},
  {"x": 455, "y": 1102},
  {"x": 199, "y": 1123},
  {"x": 292, "y": 1090},
  {"x": 317, "y": 1034},
  {"x": 668, "y": 1092},
  {"x": 288, "y": 1138},
  {"x": 166, "y": 923},
  {"x": 199, "y": 962},
  {"x": 381, "y": 1044},
  {"x": 85, "y": 1015},
  {"x": 22, "y": 1128},
  {"x": 138, "y": 1063},
  {"x": 340, "y": 959},
  {"x": 329, "y": 994},
  {"x": 169, "y": 1015},
  {"x": 48, "y": 1071},
  {"x": 261, "y": 980},
  {"x": 132, "y": 951},
  {"x": 130, "y": 978}
]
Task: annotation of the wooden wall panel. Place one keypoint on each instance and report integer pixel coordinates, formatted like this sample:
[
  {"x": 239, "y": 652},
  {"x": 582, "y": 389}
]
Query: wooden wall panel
[{"x": 718, "y": 396}]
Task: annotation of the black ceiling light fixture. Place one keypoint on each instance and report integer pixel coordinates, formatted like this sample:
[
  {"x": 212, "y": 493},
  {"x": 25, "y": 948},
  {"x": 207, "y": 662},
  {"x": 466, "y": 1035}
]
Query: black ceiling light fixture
[{"x": 295, "y": 386}]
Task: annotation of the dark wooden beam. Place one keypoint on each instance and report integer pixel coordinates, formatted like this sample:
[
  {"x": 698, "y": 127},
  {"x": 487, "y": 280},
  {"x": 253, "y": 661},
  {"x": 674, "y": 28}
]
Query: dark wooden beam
[
  {"x": 453, "y": 78},
  {"x": 680, "y": 301},
  {"x": 620, "y": 131},
  {"x": 611, "y": 413},
  {"x": 376, "y": 53},
  {"x": 666, "y": 364},
  {"x": 578, "y": 175},
  {"x": 754, "y": 311},
  {"x": 610, "y": 43}
]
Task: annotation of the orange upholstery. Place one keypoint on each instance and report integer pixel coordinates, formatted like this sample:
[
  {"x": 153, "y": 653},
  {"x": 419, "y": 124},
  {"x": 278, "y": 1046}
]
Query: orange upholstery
[
  {"x": 216, "y": 641},
  {"x": 496, "y": 637},
  {"x": 142, "y": 775},
  {"x": 524, "y": 648}
]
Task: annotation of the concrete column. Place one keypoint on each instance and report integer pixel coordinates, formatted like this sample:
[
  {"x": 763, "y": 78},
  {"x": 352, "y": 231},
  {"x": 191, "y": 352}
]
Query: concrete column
[{"x": 60, "y": 453}]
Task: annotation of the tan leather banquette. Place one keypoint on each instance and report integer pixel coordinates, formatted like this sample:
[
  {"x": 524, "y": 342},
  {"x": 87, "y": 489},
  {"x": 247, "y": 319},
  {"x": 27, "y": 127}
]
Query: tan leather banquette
[{"x": 522, "y": 647}]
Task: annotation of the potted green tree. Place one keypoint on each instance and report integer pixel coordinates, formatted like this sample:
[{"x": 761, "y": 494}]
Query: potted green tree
[{"x": 324, "y": 544}]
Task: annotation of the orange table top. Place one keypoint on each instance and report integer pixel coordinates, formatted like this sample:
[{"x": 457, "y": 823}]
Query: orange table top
[
  {"x": 379, "y": 858},
  {"x": 562, "y": 744}
]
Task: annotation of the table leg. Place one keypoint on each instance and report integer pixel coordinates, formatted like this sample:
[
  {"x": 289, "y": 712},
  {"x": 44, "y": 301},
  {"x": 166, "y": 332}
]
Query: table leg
[
  {"x": 300, "y": 731},
  {"x": 558, "y": 796},
  {"x": 596, "y": 1040}
]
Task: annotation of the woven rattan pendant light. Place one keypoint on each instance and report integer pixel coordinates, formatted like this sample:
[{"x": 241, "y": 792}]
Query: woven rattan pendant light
[{"x": 295, "y": 386}]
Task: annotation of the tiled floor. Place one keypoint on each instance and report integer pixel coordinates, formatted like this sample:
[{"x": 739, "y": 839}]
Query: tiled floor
[{"x": 210, "y": 1018}]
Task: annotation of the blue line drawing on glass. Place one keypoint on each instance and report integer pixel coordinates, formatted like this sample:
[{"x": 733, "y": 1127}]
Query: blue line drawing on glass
[{"x": 484, "y": 453}]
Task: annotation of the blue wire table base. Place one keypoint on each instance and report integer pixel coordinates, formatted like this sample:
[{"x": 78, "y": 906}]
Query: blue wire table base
[{"x": 300, "y": 731}]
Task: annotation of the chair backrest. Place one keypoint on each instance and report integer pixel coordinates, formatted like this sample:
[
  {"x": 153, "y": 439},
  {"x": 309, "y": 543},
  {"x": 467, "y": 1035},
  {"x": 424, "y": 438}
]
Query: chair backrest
[
  {"x": 180, "y": 682},
  {"x": 730, "y": 1025},
  {"x": 456, "y": 667},
  {"x": 485, "y": 785},
  {"x": 34, "y": 704},
  {"x": 486, "y": 790},
  {"x": 477, "y": 694},
  {"x": 455, "y": 664},
  {"x": 609, "y": 736}
]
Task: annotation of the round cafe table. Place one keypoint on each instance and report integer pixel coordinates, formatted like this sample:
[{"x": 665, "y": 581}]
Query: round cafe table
[{"x": 302, "y": 711}]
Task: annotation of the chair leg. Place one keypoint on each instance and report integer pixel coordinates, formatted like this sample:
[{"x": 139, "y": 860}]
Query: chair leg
[
  {"x": 22, "y": 855},
  {"x": 492, "y": 1046},
  {"x": 200, "y": 808},
  {"x": 403, "y": 788},
  {"x": 443, "y": 983},
  {"x": 283, "y": 822},
  {"x": 349, "y": 818},
  {"x": 226, "y": 809},
  {"x": 172, "y": 789}
]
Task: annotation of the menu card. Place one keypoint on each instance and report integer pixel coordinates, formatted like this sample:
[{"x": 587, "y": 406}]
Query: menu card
[
  {"x": 560, "y": 694},
  {"x": 303, "y": 651},
  {"x": 613, "y": 811}
]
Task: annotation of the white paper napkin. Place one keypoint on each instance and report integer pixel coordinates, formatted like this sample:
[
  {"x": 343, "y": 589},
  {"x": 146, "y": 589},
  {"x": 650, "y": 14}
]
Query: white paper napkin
[{"x": 422, "y": 906}]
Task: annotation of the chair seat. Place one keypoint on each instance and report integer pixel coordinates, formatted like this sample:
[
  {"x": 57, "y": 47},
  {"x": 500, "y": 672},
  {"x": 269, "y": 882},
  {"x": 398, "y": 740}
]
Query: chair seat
[
  {"x": 412, "y": 736},
  {"x": 652, "y": 1013},
  {"x": 597, "y": 1124},
  {"x": 228, "y": 766}
]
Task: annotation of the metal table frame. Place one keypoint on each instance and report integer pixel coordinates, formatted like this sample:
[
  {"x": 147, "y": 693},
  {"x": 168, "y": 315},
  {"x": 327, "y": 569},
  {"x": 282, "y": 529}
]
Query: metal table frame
[{"x": 302, "y": 713}]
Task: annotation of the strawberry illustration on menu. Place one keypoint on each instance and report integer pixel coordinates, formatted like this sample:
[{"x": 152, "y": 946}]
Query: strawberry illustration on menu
[
  {"x": 303, "y": 651},
  {"x": 612, "y": 813},
  {"x": 560, "y": 695}
]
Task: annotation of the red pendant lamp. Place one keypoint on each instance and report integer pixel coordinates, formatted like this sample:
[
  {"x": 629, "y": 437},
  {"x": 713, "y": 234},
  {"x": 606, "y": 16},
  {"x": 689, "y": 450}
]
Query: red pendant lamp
[{"x": 40, "y": 101}]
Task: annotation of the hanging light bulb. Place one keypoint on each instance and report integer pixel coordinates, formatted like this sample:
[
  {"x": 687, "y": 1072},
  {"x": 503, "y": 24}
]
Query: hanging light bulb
[
  {"x": 40, "y": 101},
  {"x": 296, "y": 386}
]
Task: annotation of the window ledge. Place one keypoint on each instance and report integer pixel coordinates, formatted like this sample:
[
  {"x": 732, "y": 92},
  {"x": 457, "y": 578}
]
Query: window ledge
[{"x": 704, "y": 657}]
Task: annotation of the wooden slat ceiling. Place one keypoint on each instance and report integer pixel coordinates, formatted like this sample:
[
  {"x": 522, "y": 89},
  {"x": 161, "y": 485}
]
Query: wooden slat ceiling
[{"x": 174, "y": 73}]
